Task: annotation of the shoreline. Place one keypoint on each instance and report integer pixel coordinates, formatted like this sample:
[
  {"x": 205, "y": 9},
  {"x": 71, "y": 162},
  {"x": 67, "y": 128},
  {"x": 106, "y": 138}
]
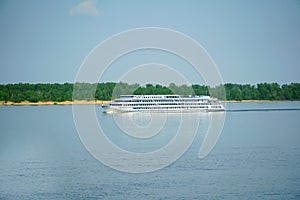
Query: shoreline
[
  {"x": 99, "y": 102},
  {"x": 250, "y": 101},
  {"x": 255, "y": 101},
  {"x": 49, "y": 103}
]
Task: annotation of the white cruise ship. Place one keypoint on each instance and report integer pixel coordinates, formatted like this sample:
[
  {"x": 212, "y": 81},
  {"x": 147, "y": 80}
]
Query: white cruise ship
[{"x": 163, "y": 103}]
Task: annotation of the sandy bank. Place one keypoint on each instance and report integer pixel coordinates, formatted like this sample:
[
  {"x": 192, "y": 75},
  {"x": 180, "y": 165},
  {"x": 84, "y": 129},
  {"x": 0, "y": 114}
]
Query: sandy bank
[
  {"x": 247, "y": 101},
  {"x": 99, "y": 102},
  {"x": 27, "y": 103}
]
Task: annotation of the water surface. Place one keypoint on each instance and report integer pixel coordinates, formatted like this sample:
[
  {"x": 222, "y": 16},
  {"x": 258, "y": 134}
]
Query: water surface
[{"x": 256, "y": 157}]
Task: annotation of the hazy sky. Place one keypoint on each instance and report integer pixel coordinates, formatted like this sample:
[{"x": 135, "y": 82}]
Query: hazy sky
[{"x": 250, "y": 41}]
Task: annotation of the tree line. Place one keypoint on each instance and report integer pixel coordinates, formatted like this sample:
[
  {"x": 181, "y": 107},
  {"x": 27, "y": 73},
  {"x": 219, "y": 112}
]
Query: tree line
[{"x": 106, "y": 91}]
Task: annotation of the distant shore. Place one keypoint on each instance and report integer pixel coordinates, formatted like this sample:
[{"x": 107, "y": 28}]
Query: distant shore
[
  {"x": 99, "y": 102},
  {"x": 40, "y": 103},
  {"x": 247, "y": 101}
]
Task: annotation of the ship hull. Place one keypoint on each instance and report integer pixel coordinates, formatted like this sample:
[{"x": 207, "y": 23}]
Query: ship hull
[{"x": 113, "y": 109}]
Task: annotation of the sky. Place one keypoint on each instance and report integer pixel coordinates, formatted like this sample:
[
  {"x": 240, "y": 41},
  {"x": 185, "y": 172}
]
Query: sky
[{"x": 249, "y": 41}]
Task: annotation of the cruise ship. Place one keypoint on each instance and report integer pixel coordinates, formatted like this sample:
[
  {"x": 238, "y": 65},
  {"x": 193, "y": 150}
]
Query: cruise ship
[{"x": 163, "y": 103}]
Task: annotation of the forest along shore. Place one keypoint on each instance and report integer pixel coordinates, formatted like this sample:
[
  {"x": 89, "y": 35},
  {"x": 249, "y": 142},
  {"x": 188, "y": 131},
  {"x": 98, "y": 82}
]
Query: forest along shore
[
  {"x": 94, "y": 93},
  {"x": 98, "y": 102}
]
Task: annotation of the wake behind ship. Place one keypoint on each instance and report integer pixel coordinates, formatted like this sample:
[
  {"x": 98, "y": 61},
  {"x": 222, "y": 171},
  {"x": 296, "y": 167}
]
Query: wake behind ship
[{"x": 163, "y": 103}]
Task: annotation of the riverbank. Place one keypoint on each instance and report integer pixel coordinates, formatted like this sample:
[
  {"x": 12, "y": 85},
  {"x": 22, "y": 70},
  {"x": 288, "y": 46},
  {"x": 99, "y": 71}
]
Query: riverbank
[
  {"x": 39, "y": 103},
  {"x": 98, "y": 102},
  {"x": 248, "y": 101}
]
